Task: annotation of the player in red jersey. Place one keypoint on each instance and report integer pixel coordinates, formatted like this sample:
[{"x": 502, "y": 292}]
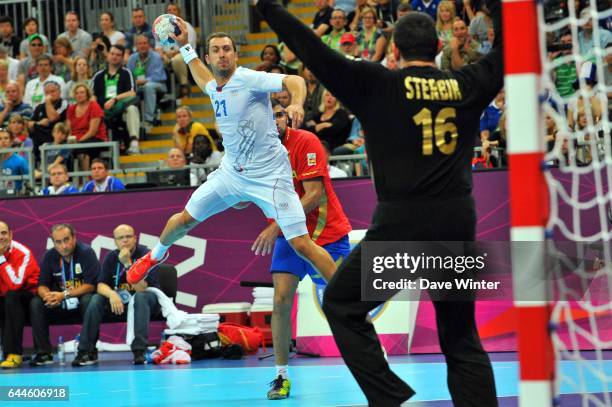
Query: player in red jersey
[{"x": 327, "y": 225}]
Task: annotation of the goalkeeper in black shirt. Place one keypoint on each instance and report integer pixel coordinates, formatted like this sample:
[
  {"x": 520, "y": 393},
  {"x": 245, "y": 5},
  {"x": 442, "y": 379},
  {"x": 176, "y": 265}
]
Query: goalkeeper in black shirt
[{"x": 420, "y": 126}]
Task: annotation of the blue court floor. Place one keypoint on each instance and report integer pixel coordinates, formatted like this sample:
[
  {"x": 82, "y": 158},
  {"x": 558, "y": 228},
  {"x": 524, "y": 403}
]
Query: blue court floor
[{"x": 316, "y": 382}]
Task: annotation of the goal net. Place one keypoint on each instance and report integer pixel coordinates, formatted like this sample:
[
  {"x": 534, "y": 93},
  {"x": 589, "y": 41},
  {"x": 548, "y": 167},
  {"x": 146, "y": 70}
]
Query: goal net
[{"x": 575, "y": 152}]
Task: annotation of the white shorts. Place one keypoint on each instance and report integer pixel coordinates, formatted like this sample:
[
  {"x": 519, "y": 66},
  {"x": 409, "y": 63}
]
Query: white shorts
[{"x": 273, "y": 194}]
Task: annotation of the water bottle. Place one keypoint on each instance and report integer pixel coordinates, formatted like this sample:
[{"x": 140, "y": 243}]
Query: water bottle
[
  {"x": 76, "y": 343},
  {"x": 60, "y": 351}
]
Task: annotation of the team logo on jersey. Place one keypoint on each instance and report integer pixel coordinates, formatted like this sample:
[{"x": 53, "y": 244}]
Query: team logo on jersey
[
  {"x": 283, "y": 205},
  {"x": 312, "y": 159}
]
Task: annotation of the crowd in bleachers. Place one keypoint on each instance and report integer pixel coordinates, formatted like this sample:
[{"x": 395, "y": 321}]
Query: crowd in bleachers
[
  {"x": 102, "y": 86},
  {"x": 87, "y": 87}
]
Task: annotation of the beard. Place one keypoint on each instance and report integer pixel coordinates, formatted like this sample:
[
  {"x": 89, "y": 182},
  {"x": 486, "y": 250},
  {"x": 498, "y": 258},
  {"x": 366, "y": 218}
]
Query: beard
[{"x": 222, "y": 73}]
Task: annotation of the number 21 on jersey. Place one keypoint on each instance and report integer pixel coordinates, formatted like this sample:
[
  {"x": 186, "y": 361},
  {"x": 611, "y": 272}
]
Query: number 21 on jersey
[
  {"x": 442, "y": 126},
  {"x": 220, "y": 109}
]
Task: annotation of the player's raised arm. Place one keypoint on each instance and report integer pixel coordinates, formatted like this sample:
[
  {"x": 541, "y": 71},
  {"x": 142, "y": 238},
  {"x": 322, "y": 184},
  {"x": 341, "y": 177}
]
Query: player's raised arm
[
  {"x": 200, "y": 72},
  {"x": 297, "y": 89}
]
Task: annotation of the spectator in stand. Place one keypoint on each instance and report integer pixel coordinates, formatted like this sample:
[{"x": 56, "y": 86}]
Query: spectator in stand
[
  {"x": 34, "y": 90},
  {"x": 347, "y": 46},
  {"x": 19, "y": 273},
  {"x": 8, "y": 38},
  {"x": 289, "y": 62},
  {"x": 60, "y": 133},
  {"x": 403, "y": 8},
  {"x": 283, "y": 97},
  {"x": 19, "y": 133},
  {"x": 114, "y": 294},
  {"x": 62, "y": 61},
  {"x": 86, "y": 123},
  {"x": 80, "y": 39},
  {"x": 608, "y": 74},
  {"x": 59, "y": 181},
  {"x": 173, "y": 57},
  {"x": 277, "y": 69},
  {"x": 353, "y": 19},
  {"x": 115, "y": 92},
  {"x": 148, "y": 69},
  {"x": 30, "y": 27},
  {"x": 176, "y": 159},
  {"x": 489, "y": 121},
  {"x": 12, "y": 165},
  {"x": 332, "y": 123},
  {"x": 13, "y": 104},
  {"x": 68, "y": 275},
  {"x": 444, "y": 22},
  {"x": 98, "y": 55},
  {"x": 321, "y": 22},
  {"x": 487, "y": 44},
  {"x": 100, "y": 180},
  {"x": 564, "y": 74},
  {"x": 107, "y": 28},
  {"x": 314, "y": 93},
  {"x": 386, "y": 13},
  {"x": 597, "y": 100},
  {"x": 269, "y": 56},
  {"x": 586, "y": 41},
  {"x": 4, "y": 77},
  {"x": 27, "y": 69},
  {"x": 204, "y": 152},
  {"x": 461, "y": 50},
  {"x": 428, "y": 7},
  {"x": 370, "y": 40},
  {"x": 139, "y": 27},
  {"x": 337, "y": 21},
  {"x": 186, "y": 129},
  {"x": 13, "y": 64},
  {"x": 46, "y": 114},
  {"x": 480, "y": 24},
  {"x": 80, "y": 74}
]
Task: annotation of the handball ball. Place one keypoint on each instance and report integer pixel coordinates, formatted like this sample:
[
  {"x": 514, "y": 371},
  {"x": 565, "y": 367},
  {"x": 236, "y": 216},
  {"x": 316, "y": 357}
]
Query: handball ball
[{"x": 163, "y": 26}]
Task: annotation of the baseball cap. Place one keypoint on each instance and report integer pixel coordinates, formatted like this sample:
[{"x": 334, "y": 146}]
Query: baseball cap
[
  {"x": 34, "y": 37},
  {"x": 347, "y": 38}
]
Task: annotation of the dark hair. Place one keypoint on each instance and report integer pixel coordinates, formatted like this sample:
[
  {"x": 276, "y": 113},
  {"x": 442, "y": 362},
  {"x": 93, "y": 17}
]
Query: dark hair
[
  {"x": 415, "y": 37},
  {"x": 218, "y": 35},
  {"x": 59, "y": 226},
  {"x": 278, "y": 56},
  {"x": 101, "y": 161},
  {"x": 137, "y": 9},
  {"x": 74, "y": 13},
  {"x": 6, "y": 19},
  {"x": 112, "y": 17},
  {"x": 339, "y": 9},
  {"x": 119, "y": 47},
  {"x": 404, "y": 7},
  {"x": 7, "y": 225},
  {"x": 279, "y": 67},
  {"x": 44, "y": 57},
  {"x": 30, "y": 20}
]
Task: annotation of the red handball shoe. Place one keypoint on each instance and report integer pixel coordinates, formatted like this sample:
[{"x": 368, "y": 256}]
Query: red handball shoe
[{"x": 141, "y": 268}]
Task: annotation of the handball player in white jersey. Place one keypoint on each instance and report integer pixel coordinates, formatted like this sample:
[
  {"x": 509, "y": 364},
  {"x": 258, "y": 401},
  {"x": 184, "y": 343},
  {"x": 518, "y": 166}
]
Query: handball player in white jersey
[{"x": 255, "y": 167}]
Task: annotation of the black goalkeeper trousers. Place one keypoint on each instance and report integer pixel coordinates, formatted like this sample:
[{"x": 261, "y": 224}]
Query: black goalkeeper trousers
[{"x": 470, "y": 375}]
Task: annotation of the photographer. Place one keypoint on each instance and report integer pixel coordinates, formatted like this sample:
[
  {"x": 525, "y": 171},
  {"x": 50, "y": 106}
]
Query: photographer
[
  {"x": 99, "y": 52},
  {"x": 67, "y": 279}
]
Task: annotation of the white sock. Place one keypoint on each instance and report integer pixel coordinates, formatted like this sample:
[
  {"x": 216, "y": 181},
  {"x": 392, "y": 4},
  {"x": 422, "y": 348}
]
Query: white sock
[
  {"x": 283, "y": 371},
  {"x": 158, "y": 251}
]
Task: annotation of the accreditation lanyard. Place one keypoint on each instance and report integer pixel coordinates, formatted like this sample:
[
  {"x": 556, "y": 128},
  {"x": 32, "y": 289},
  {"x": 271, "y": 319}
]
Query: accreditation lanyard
[
  {"x": 37, "y": 97},
  {"x": 141, "y": 69},
  {"x": 118, "y": 273},
  {"x": 111, "y": 84},
  {"x": 71, "y": 265}
]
